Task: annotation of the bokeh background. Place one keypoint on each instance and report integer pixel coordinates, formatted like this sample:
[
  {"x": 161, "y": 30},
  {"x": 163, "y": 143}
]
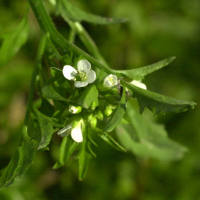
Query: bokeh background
[{"x": 156, "y": 29}]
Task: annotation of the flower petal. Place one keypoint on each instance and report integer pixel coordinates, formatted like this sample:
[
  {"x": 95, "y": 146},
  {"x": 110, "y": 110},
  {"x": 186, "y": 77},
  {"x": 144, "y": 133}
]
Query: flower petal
[
  {"x": 69, "y": 72},
  {"x": 110, "y": 80},
  {"x": 65, "y": 131},
  {"x": 83, "y": 65},
  {"x": 79, "y": 84},
  {"x": 76, "y": 133},
  {"x": 91, "y": 76},
  {"x": 139, "y": 84}
]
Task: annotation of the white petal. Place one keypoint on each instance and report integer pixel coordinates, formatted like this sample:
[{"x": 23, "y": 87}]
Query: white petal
[
  {"x": 76, "y": 133},
  {"x": 91, "y": 76},
  {"x": 139, "y": 84},
  {"x": 83, "y": 65},
  {"x": 69, "y": 72},
  {"x": 65, "y": 131},
  {"x": 110, "y": 80},
  {"x": 79, "y": 84}
]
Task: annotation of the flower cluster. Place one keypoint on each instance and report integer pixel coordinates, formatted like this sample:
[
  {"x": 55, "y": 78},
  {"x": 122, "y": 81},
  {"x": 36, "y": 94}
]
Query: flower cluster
[{"x": 82, "y": 77}]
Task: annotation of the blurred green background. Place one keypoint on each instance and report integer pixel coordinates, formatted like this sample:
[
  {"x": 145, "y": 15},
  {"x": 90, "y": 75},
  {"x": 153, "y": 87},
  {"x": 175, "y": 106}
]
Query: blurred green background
[{"x": 156, "y": 29}]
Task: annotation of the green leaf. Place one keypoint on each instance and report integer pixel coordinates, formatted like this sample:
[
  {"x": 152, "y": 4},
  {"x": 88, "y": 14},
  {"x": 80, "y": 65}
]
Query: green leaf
[
  {"x": 138, "y": 74},
  {"x": 50, "y": 93},
  {"x": 67, "y": 147},
  {"x": 84, "y": 158},
  {"x": 13, "y": 41},
  {"x": 107, "y": 138},
  {"x": 158, "y": 103},
  {"x": 57, "y": 73},
  {"x": 73, "y": 13},
  {"x": 19, "y": 163},
  {"x": 47, "y": 108},
  {"x": 45, "y": 127},
  {"x": 88, "y": 96},
  {"x": 152, "y": 140},
  {"x": 118, "y": 113}
]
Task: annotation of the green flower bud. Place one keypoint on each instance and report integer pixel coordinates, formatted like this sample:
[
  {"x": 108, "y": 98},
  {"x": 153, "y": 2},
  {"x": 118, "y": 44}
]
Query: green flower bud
[
  {"x": 108, "y": 111},
  {"x": 92, "y": 120},
  {"x": 99, "y": 115},
  {"x": 93, "y": 106}
]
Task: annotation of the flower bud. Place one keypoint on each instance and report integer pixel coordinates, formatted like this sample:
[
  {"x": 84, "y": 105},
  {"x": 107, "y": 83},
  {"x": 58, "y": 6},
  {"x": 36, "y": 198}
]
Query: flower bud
[
  {"x": 108, "y": 111},
  {"x": 108, "y": 82},
  {"x": 92, "y": 121},
  {"x": 99, "y": 115},
  {"x": 75, "y": 109},
  {"x": 93, "y": 106}
]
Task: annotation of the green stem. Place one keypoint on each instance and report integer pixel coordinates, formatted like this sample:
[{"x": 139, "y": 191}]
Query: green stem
[
  {"x": 35, "y": 73},
  {"x": 58, "y": 40},
  {"x": 87, "y": 40}
]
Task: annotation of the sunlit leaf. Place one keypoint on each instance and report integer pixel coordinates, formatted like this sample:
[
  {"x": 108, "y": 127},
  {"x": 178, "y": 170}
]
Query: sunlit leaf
[
  {"x": 88, "y": 96},
  {"x": 75, "y": 14},
  {"x": 138, "y": 74},
  {"x": 152, "y": 140},
  {"x": 13, "y": 41},
  {"x": 158, "y": 103}
]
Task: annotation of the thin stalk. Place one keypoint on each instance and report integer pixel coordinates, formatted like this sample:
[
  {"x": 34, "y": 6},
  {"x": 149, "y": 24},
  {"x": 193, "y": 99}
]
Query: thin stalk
[
  {"x": 35, "y": 73},
  {"x": 58, "y": 40}
]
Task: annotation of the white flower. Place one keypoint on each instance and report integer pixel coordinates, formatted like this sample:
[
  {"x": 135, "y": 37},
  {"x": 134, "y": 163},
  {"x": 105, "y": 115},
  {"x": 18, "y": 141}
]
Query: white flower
[
  {"x": 75, "y": 109},
  {"x": 76, "y": 131},
  {"x": 139, "y": 84},
  {"x": 110, "y": 81},
  {"x": 82, "y": 76}
]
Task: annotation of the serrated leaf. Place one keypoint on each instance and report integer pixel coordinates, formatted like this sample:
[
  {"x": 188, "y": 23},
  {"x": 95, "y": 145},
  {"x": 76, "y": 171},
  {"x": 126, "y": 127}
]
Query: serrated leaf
[
  {"x": 50, "y": 93},
  {"x": 138, "y": 74},
  {"x": 45, "y": 127},
  {"x": 88, "y": 96},
  {"x": 75, "y": 14},
  {"x": 158, "y": 103},
  {"x": 19, "y": 163},
  {"x": 67, "y": 147},
  {"x": 152, "y": 141},
  {"x": 118, "y": 114},
  {"x": 107, "y": 138},
  {"x": 13, "y": 41}
]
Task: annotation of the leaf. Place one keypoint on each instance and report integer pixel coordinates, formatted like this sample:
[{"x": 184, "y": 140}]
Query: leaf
[
  {"x": 13, "y": 41},
  {"x": 152, "y": 141},
  {"x": 84, "y": 158},
  {"x": 118, "y": 114},
  {"x": 20, "y": 162},
  {"x": 67, "y": 147},
  {"x": 45, "y": 127},
  {"x": 47, "y": 108},
  {"x": 138, "y": 74},
  {"x": 107, "y": 138},
  {"x": 158, "y": 103},
  {"x": 88, "y": 96},
  {"x": 73, "y": 13},
  {"x": 50, "y": 93}
]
